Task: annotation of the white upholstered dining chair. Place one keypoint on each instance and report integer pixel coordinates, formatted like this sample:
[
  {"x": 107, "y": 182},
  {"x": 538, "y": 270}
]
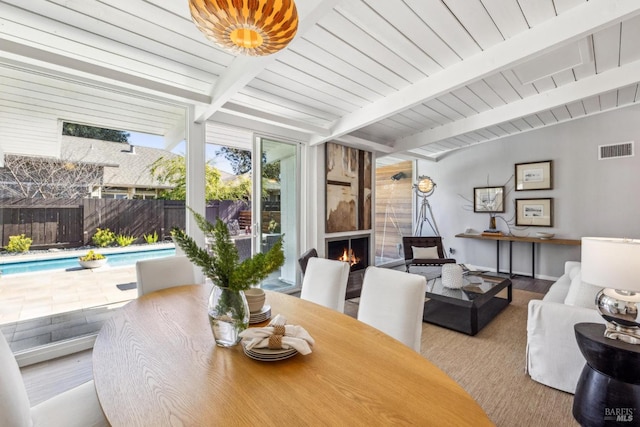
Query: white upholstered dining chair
[
  {"x": 325, "y": 282},
  {"x": 160, "y": 273},
  {"x": 78, "y": 407},
  {"x": 393, "y": 302}
]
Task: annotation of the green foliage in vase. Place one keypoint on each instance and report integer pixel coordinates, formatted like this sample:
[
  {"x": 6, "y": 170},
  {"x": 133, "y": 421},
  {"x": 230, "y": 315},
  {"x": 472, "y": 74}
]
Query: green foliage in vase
[
  {"x": 19, "y": 243},
  {"x": 222, "y": 265}
]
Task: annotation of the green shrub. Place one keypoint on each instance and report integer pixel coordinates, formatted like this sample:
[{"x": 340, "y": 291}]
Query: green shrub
[
  {"x": 124, "y": 240},
  {"x": 19, "y": 243},
  {"x": 103, "y": 238},
  {"x": 151, "y": 238}
]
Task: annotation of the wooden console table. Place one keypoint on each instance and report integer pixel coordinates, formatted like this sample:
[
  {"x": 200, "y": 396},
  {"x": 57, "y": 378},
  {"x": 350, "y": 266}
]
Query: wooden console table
[{"x": 511, "y": 239}]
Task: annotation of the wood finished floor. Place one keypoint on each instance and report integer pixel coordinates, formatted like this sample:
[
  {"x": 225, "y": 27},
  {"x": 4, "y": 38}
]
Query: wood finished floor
[{"x": 46, "y": 379}]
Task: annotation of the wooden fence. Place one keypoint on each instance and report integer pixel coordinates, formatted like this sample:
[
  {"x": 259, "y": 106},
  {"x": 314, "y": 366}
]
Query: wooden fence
[{"x": 73, "y": 222}]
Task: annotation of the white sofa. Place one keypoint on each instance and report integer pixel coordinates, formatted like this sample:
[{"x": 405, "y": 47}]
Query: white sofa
[{"x": 553, "y": 356}]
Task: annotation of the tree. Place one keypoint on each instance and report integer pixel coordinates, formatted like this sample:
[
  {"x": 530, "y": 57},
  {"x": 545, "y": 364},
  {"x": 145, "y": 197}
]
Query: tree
[
  {"x": 47, "y": 178},
  {"x": 173, "y": 171},
  {"x": 240, "y": 161},
  {"x": 91, "y": 132}
]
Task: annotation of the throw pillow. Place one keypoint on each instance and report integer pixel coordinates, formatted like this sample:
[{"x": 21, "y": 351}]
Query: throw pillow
[
  {"x": 582, "y": 294},
  {"x": 425, "y": 253}
]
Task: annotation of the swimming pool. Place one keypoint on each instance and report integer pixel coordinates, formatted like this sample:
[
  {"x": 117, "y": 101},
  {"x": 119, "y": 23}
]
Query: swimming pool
[{"x": 115, "y": 259}]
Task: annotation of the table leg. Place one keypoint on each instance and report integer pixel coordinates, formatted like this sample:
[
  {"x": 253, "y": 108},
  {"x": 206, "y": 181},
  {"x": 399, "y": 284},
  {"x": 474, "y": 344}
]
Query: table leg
[
  {"x": 510, "y": 258},
  {"x": 533, "y": 260},
  {"x": 497, "y": 256}
]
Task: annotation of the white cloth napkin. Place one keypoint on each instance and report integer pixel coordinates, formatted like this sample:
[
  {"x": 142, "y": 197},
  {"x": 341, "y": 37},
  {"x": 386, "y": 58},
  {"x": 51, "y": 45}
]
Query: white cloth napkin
[{"x": 294, "y": 337}]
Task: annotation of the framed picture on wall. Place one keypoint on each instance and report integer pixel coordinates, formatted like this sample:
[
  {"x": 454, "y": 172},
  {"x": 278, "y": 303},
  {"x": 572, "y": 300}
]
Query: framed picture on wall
[
  {"x": 534, "y": 212},
  {"x": 488, "y": 199},
  {"x": 534, "y": 175}
]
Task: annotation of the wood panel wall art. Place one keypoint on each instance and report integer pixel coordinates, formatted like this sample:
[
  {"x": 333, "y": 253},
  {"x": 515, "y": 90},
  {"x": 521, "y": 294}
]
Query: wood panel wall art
[{"x": 348, "y": 188}]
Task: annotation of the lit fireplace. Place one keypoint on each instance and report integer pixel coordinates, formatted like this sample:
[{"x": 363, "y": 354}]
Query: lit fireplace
[{"x": 355, "y": 251}]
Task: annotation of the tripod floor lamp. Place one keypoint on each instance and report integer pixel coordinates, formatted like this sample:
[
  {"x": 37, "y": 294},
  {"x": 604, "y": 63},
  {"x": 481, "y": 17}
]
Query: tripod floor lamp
[{"x": 425, "y": 188}]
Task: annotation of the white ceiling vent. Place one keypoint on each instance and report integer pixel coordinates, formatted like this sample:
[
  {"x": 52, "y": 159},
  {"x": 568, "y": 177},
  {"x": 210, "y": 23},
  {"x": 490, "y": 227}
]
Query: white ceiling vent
[{"x": 615, "y": 151}]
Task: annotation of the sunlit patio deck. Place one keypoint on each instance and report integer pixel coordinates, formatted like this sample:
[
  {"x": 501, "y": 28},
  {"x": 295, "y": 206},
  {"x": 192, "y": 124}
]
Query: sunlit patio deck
[{"x": 50, "y": 306}]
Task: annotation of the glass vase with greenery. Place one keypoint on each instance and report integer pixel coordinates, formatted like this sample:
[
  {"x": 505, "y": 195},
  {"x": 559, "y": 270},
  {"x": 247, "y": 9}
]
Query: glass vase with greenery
[{"x": 228, "y": 309}]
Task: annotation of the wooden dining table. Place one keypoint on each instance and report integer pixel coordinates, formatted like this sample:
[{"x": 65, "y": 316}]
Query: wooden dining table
[{"x": 155, "y": 363}]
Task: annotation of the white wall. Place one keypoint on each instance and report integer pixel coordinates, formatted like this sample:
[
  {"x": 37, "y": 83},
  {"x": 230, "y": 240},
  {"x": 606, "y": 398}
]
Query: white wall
[{"x": 591, "y": 197}]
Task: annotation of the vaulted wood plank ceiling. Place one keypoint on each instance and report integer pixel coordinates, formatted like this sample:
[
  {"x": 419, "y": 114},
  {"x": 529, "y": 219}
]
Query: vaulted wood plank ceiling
[{"x": 404, "y": 77}]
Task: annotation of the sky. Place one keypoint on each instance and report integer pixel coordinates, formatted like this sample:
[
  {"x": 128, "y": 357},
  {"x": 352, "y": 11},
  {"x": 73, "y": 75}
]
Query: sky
[{"x": 155, "y": 141}]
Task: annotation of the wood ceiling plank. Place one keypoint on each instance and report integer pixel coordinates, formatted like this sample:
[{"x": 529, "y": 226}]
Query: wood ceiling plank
[
  {"x": 537, "y": 11},
  {"x": 627, "y": 95},
  {"x": 409, "y": 28},
  {"x": 608, "y": 100},
  {"x": 509, "y": 128},
  {"x": 629, "y": 37},
  {"x": 547, "y": 118},
  {"x": 544, "y": 84},
  {"x": 329, "y": 76},
  {"x": 275, "y": 107},
  {"x": 591, "y": 104},
  {"x": 328, "y": 101},
  {"x": 408, "y": 122},
  {"x": 507, "y": 15},
  {"x": 534, "y": 121},
  {"x": 484, "y": 91},
  {"x": 442, "y": 22},
  {"x": 421, "y": 113},
  {"x": 576, "y": 109},
  {"x": 521, "y": 125},
  {"x": 564, "y": 5},
  {"x": 607, "y": 48},
  {"x": 561, "y": 113},
  {"x": 564, "y": 77},
  {"x": 312, "y": 106},
  {"x": 444, "y": 110},
  {"x": 317, "y": 84},
  {"x": 499, "y": 84},
  {"x": 457, "y": 105},
  {"x": 497, "y": 130},
  {"x": 523, "y": 90},
  {"x": 347, "y": 53},
  {"x": 396, "y": 27},
  {"x": 328, "y": 59},
  {"x": 471, "y": 99},
  {"x": 474, "y": 17},
  {"x": 424, "y": 122},
  {"x": 354, "y": 36},
  {"x": 432, "y": 114}
]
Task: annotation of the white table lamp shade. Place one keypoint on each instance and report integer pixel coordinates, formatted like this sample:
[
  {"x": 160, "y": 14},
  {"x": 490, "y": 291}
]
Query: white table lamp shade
[{"x": 611, "y": 263}]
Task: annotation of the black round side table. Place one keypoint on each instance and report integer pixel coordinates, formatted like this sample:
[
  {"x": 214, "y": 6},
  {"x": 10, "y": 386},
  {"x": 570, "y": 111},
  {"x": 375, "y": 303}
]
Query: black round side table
[{"x": 608, "y": 392}]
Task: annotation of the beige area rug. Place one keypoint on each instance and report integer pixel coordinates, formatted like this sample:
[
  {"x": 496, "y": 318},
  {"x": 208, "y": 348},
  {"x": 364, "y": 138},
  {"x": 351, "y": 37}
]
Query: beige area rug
[{"x": 490, "y": 366}]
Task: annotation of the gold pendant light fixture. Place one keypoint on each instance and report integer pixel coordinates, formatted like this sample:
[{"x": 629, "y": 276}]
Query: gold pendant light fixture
[{"x": 248, "y": 27}]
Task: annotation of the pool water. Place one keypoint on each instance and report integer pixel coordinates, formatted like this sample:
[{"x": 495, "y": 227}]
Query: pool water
[{"x": 113, "y": 259}]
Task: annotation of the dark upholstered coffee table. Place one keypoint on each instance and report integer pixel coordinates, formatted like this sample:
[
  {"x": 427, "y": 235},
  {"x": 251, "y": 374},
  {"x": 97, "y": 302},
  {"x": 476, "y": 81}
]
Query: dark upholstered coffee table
[{"x": 469, "y": 309}]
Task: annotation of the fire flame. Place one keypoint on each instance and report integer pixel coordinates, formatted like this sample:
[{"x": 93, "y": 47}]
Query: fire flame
[{"x": 350, "y": 257}]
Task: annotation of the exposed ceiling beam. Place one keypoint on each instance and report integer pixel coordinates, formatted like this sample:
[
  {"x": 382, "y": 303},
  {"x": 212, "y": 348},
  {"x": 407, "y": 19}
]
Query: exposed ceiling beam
[
  {"x": 365, "y": 144},
  {"x": 244, "y": 69},
  {"x": 570, "y": 26},
  {"x": 585, "y": 88},
  {"x": 57, "y": 64},
  {"x": 274, "y": 119}
]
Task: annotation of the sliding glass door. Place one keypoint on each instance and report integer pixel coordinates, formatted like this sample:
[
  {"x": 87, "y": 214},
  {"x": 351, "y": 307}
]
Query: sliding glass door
[{"x": 275, "y": 207}]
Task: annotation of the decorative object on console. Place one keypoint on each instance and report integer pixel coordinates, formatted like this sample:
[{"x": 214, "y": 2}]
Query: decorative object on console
[
  {"x": 452, "y": 276},
  {"x": 534, "y": 175},
  {"x": 534, "y": 212},
  {"x": 615, "y": 264},
  {"x": 424, "y": 188},
  {"x": 228, "y": 308},
  {"x": 253, "y": 28}
]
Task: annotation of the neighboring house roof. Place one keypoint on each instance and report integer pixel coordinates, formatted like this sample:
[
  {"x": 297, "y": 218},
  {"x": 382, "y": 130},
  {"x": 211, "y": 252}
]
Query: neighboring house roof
[{"x": 123, "y": 167}]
